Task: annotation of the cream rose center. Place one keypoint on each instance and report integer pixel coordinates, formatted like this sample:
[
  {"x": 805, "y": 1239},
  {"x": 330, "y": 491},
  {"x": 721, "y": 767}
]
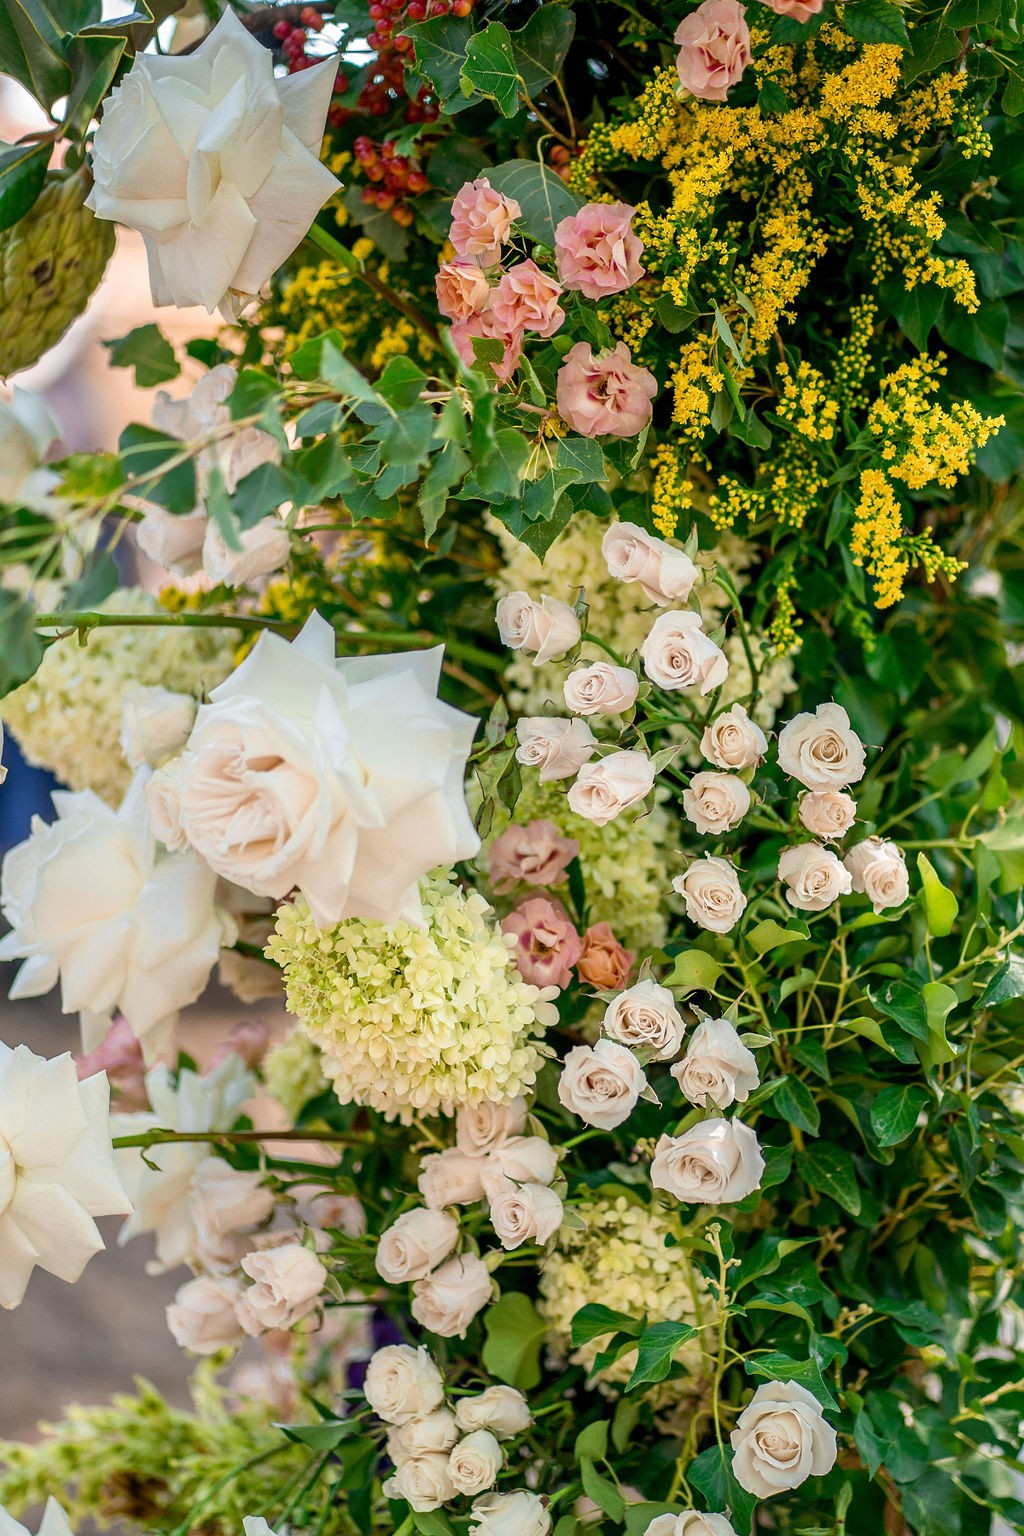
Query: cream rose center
[{"x": 8, "y": 1175}]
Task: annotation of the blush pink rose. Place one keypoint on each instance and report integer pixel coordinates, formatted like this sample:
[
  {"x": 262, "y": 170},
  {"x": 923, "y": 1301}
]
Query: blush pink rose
[
  {"x": 604, "y": 395},
  {"x": 597, "y": 252},
  {"x": 119, "y": 1055},
  {"x": 526, "y": 299},
  {"x": 481, "y": 222},
  {"x": 483, "y": 324},
  {"x": 800, "y": 10},
  {"x": 536, "y": 854},
  {"x": 603, "y": 961},
  {"x": 462, "y": 289},
  {"x": 714, "y": 48},
  {"x": 547, "y": 944}
]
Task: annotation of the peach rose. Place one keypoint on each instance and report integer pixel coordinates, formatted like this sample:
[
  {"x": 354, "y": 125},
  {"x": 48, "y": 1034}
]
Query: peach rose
[
  {"x": 481, "y": 221},
  {"x": 526, "y": 299},
  {"x": 547, "y": 945},
  {"x": 714, "y": 49},
  {"x": 462, "y": 290},
  {"x": 536, "y": 854},
  {"x": 605, "y": 789},
  {"x": 606, "y": 394},
  {"x": 597, "y": 252},
  {"x": 603, "y": 962}
]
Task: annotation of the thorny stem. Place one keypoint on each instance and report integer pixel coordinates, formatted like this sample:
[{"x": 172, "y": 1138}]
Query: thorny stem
[{"x": 159, "y": 1137}]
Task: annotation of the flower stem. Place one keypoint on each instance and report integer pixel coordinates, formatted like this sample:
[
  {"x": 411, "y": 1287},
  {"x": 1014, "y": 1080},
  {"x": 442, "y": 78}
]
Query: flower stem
[{"x": 317, "y": 235}]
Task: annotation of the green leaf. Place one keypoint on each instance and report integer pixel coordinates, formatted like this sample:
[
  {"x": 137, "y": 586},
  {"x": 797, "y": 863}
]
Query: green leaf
[
  {"x": 793, "y": 1102},
  {"x": 146, "y": 350},
  {"x": 93, "y": 62},
  {"x": 768, "y": 934},
  {"x": 875, "y": 21},
  {"x": 542, "y": 196},
  {"x": 1005, "y": 984},
  {"x": 320, "y": 1437},
  {"x": 499, "y": 475},
  {"x": 22, "y": 173},
  {"x": 902, "y": 1001},
  {"x": 939, "y": 1002},
  {"x": 712, "y": 1475},
  {"x": 31, "y": 49},
  {"x": 143, "y": 450},
  {"x": 540, "y": 48},
  {"x": 515, "y": 1332},
  {"x": 490, "y": 68},
  {"x": 829, "y": 1170},
  {"x": 592, "y": 1441},
  {"x": 441, "y": 45},
  {"x": 694, "y": 971},
  {"x": 342, "y": 376},
  {"x": 445, "y": 472},
  {"x": 779, "y": 1367},
  {"x": 894, "y": 1113},
  {"x": 21, "y": 649},
  {"x": 602, "y": 1490},
  {"x": 981, "y": 335},
  {"x": 579, "y": 460},
  {"x": 595, "y": 1319},
  {"x": 940, "y": 905},
  {"x": 656, "y": 1349}
]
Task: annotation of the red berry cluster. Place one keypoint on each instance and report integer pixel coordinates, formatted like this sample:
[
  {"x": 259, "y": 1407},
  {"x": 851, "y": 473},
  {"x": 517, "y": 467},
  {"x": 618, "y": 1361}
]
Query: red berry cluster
[
  {"x": 292, "y": 38},
  {"x": 393, "y": 178},
  {"x": 394, "y": 49}
]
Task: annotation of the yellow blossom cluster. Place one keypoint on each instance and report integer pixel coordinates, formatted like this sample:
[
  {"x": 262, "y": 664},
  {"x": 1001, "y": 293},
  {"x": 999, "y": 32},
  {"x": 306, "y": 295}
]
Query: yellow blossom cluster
[
  {"x": 807, "y": 401},
  {"x": 323, "y": 296},
  {"x": 920, "y": 440},
  {"x": 886, "y": 552},
  {"x": 672, "y": 491}
]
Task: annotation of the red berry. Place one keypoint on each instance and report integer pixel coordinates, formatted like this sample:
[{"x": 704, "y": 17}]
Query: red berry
[
  {"x": 369, "y": 195},
  {"x": 340, "y": 82},
  {"x": 461, "y": 7},
  {"x": 385, "y": 200},
  {"x": 417, "y": 182},
  {"x": 431, "y": 112},
  {"x": 402, "y": 214},
  {"x": 375, "y": 172},
  {"x": 282, "y": 28},
  {"x": 312, "y": 18},
  {"x": 413, "y": 113}
]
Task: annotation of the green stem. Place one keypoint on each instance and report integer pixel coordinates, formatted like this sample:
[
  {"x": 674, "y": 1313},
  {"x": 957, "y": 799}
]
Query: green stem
[
  {"x": 317, "y": 235},
  {"x": 159, "y": 1137},
  {"x": 86, "y": 621}
]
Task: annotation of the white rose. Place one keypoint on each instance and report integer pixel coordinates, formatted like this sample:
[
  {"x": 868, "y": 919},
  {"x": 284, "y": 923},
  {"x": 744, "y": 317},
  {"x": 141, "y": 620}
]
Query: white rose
[
  {"x": 601, "y": 1083},
  {"x": 606, "y": 788},
  {"x": 202, "y": 1316},
  {"x": 715, "y": 1162},
  {"x": 484, "y": 1126},
  {"x": 415, "y": 1244},
  {"x": 557, "y": 747},
  {"x": 402, "y": 1383},
  {"x": 666, "y": 574},
  {"x": 712, "y": 894},
  {"x": 510, "y": 1514},
  {"x": 814, "y": 876},
  {"x": 717, "y": 1068},
  {"x": 265, "y": 548},
  {"x": 524, "y": 1159},
  {"x": 475, "y": 1462},
  {"x": 600, "y": 689},
  {"x": 451, "y": 1177},
  {"x": 502, "y": 1410},
  {"x": 155, "y": 724},
  {"x": 645, "y": 1017},
  {"x": 227, "y": 1200},
  {"x": 820, "y": 750},
  {"x": 88, "y": 897},
  {"x": 291, "y": 777},
  {"x": 235, "y": 451},
  {"x": 715, "y": 802},
  {"x": 434, "y": 1432},
  {"x": 424, "y": 1482},
  {"x": 163, "y": 806},
  {"x": 691, "y": 1523},
  {"x": 878, "y": 870},
  {"x": 548, "y": 628},
  {"x": 57, "y": 1168},
  {"x": 733, "y": 740},
  {"x": 781, "y": 1438},
  {"x": 447, "y": 1301},
  {"x": 173, "y": 542},
  {"x": 27, "y": 433},
  {"x": 524, "y": 1213},
  {"x": 288, "y": 1283},
  {"x": 678, "y": 654},
  {"x": 827, "y": 813},
  {"x": 223, "y": 200}
]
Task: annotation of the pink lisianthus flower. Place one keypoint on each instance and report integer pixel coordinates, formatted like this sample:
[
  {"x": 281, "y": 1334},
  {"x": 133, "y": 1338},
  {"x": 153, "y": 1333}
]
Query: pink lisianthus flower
[
  {"x": 484, "y": 325},
  {"x": 714, "y": 49},
  {"x": 547, "y": 944},
  {"x": 526, "y": 299},
  {"x": 536, "y": 854},
  {"x": 481, "y": 222},
  {"x": 596, "y": 250},
  {"x": 800, "y": 10},
  {"x": 606, "y": 394}
]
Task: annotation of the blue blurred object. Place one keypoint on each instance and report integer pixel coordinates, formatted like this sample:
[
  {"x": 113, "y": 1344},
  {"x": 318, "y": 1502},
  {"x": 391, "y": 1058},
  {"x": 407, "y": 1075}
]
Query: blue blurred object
[{"x": 25, "y": 793}]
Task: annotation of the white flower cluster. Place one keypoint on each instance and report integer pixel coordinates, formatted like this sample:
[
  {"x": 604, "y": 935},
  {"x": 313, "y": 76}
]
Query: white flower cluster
[
  {"x": 292, "y": 1073},
  {"x": 621, "y": 1258},
  {"x": 411, "y": 1019},
  {"x": 68, "y": 717},
  {"x": 440, "y": 1452}
]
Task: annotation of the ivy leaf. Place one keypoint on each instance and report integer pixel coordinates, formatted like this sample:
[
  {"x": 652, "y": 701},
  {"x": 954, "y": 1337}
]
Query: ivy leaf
[
  {"x": 829, "y": 1169},
  {"x": 148, "y": 351},
  {"x": 595, "y": 1319},
  {"x": 490, "y": 68},
  {"x": 902, "y": 1001},
  {"x": 712, "y": 1475},
  {"x": 602, "y": 1490},
  {"x": 1005, "y": 984},
  {"x": 445, "y": 472},
  {"x": 769, "y": 934},
  {"x": 441, "y": 45},
  {"x": 876, "y": 21},
  {"x": 22, "y": 173},
  {"x": 779, "y": 1367},
  {"x": 940, "y": 905},
  {"x": 694, "y": 971},
  {"x": 515, "y": 1332},
  {"x": 592, "y": 1442},
  {"x": 499, "y": 475},
  {"x": 793, "y": 1102},
  {"x": 540, "y": 48},
  {"x": 21, "y": 649},
  {"x": 895, "y": 1112},
  {"x": 656, "y": 1350},
  {"x": 542, "y": 196}
]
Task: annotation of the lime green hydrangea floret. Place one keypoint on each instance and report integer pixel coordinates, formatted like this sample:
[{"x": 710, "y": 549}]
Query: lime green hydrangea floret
[{"x": 412, "y": 1020}]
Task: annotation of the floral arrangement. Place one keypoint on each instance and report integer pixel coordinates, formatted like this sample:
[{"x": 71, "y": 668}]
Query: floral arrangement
[{"x": 584, "y": 693}]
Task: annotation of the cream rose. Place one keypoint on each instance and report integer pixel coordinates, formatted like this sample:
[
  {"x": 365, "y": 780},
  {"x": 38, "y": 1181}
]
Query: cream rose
[
  {"x": 523, "y": 1213},
  {"x": 814, "y": 877},
  {"x": 712, "y": 894},
  {"x": 717, "y": 1068},
  {"x": 155, "y": 723},
  {"x": 291, "y": 777},
  {"x": 600, "y": 689},
  {"x": 557, "y": 747},
  {"x": 216, "y": 163},
  {"x": 447, "y": 1301},
  {"x": 603, "y": 790},
  {"x": 678, "y": 654},
  {"x": 601, "y": 1083},
  {"x": 500, "y": 1409},
  {"x": 402, "y": 1383},
  {"x": 415, "y": 1244},
  {"x": 548, "y": 628},
  {"x": 288, "y": 1284},
  {"x": 645, "y": 1018},
  {"x": 878, "y": 870},
  {"x": 483, "y": 1127},
  {"x": 203, "y": 1318},
  {"x": 264, "y": 548},
  {"x": 510, "y": 1514},
  {"x": 715, "y": 802},
  {"x": 526, "y": 1159},
  {"x": 173, "y": 542},
  {"x": 820, "y": 750},
  {"x": 424, "y": 1482},
  {"x": 475, "y": 1462},
  {"x": 827, "y": 813},
  {"x": 691, "y": 1523},
  {"x": 163, "y": 804},
  {"x": 734, "y": 741},
  {"x": 434, "y": 1432},
  {"x": 666, "y": 574},
  {"x": 451, "y": 1177},
  {"x": 713, "y": 1163},
  {"x": 781, "y": 1438}
]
